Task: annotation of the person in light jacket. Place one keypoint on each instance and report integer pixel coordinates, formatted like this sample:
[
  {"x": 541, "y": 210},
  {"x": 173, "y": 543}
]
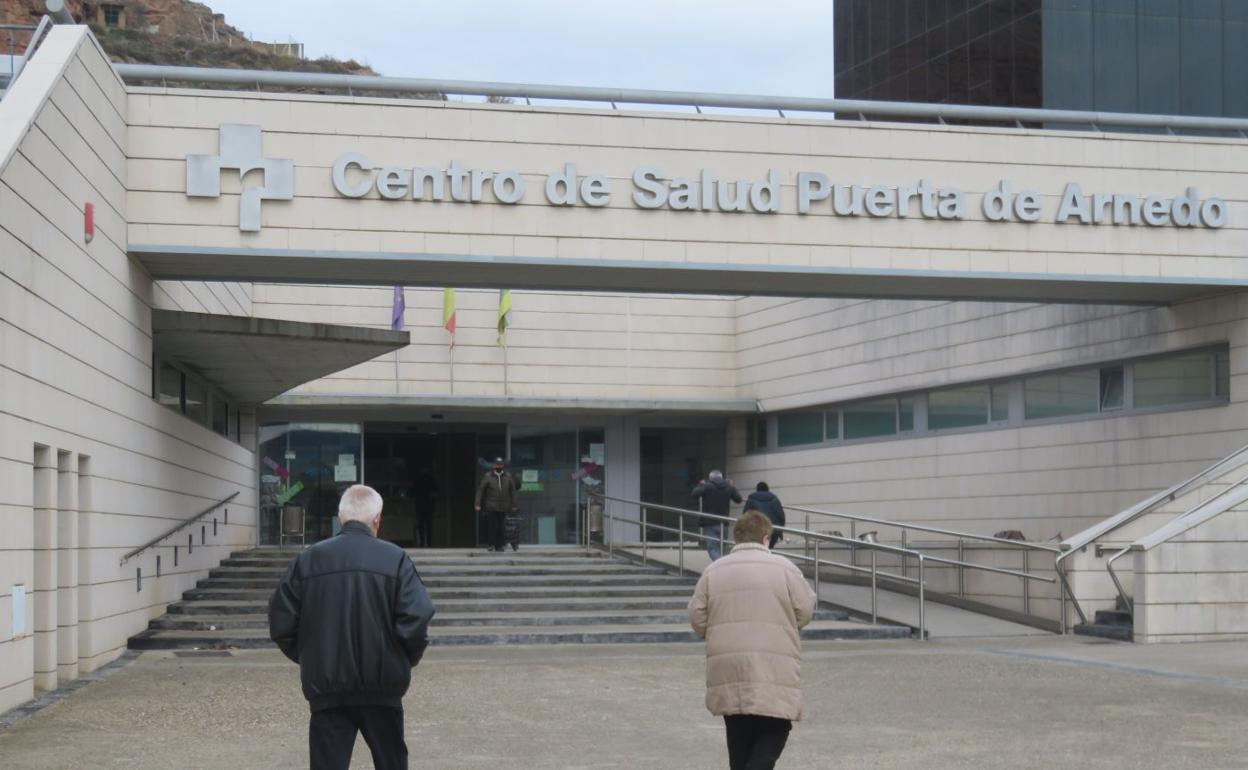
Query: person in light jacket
[{"x": 749, "y": 606}]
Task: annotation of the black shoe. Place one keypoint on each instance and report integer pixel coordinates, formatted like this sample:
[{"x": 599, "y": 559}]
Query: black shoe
[{"x": 515, "y": 547}]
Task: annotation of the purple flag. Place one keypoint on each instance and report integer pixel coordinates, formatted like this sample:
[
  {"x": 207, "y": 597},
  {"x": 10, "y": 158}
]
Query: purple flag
[{"x": 397, "y": 309}]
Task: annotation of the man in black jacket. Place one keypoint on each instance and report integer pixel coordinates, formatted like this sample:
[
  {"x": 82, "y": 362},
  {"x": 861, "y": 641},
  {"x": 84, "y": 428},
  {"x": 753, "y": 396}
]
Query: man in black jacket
[
  {"x": 499, "y": 497},
  {"x": 715, "y": 494},
  {"x": 352, "y": 612},
  {"x": 763, "y": 500}
]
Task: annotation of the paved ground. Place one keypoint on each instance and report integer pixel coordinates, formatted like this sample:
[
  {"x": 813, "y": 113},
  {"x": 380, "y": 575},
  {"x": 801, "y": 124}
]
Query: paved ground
[{"x": 1003, "y": 703}]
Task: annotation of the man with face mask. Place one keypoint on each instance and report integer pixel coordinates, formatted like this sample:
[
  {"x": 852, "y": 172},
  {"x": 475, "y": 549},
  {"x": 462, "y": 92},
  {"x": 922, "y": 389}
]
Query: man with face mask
[{"x": 498, "y": 496}]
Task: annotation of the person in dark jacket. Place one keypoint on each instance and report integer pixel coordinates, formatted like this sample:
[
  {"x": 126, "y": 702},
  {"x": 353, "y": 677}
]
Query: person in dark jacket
[
  {"x": 353, "y": 613},
  {"x": 498, "y": 496},
  {"x": 715, "y": 494},
  {"x": 763, "y": 500}
]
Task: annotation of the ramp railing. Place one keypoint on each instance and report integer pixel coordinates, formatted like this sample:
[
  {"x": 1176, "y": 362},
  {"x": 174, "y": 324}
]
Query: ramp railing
[{"x": 816, "y": 546}]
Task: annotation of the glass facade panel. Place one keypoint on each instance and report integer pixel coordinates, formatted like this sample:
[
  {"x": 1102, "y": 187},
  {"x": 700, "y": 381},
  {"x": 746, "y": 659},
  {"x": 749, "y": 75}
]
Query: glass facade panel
[
  {"x": 1000, "y": 402},
  {"x": 870, "y": 418},
  {"x": 1222, "y": 381},
  {"x": 673, "y": 461},
  {"x": 1174, "y": 380},
  {"x": 169, "y": 387},
  {"x": 555, "y": 468},
  {"x": 793, "y": 428},
  {"x": 196, "y": 401},
  {"x": 832, "y": 425},
  {"x": 220, "y": 416},
  {"x": 304, "y": 469},
  {"x": 905, "y": 413},
  {"x": 1112, "y": 387},
  {"x": 1059, "y": 395},
  {"x": 957, "y": 407},
  {"x": 756, "y": 435}
]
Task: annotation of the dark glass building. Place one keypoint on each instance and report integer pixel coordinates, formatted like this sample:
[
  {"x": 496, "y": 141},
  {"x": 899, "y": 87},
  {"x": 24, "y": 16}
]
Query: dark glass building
[{"x": 1187, "y": 57}]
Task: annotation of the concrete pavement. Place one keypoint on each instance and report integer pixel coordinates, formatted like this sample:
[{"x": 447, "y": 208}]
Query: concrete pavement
[{"x": 1001, "y": 703}]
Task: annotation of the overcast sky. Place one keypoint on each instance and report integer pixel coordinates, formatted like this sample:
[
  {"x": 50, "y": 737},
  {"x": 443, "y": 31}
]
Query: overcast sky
[{"x": 774, "y": 47}]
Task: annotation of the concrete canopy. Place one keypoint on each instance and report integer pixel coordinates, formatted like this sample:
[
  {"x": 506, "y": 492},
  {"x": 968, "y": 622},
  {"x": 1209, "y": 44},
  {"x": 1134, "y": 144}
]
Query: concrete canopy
[{"x": 255, "y": 359}]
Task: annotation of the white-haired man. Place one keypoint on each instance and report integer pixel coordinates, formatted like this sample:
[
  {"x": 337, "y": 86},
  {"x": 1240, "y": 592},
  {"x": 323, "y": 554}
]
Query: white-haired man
[{"x": 352, "y": 612}]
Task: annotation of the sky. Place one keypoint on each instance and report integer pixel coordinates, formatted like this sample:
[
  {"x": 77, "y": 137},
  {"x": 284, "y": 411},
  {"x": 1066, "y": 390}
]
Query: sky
[{"x": 771, "y": 47}]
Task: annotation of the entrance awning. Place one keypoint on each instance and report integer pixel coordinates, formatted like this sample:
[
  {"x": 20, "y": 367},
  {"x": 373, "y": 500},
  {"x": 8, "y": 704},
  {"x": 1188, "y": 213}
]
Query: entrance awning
[{"x": 255, "y": 359}]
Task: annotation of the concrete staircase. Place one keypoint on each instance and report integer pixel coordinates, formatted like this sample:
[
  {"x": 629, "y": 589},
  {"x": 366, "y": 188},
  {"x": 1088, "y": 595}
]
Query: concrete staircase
[{"x": 551, "y": 595}]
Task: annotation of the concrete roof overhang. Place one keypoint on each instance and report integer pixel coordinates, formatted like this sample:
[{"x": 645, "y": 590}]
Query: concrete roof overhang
[
  {"x": 255, "y": 359},
  {"x": 382, "y": 406},
  {"x": 474, "y": 271}
]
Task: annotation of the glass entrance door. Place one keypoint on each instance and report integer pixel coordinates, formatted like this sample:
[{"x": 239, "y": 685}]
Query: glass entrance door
[{"x": 555, "y": 470}]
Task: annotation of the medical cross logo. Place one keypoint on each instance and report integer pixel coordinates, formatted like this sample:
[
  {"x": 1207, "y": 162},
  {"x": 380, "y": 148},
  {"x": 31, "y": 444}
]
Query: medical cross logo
[{"x": 239, "y": 148}]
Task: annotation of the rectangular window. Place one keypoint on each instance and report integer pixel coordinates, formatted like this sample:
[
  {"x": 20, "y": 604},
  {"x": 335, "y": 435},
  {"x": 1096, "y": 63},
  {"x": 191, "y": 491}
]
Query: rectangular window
[
  {"x": 871, "y": 418},
  {"x": 169, "y": 387},
  {"x": 905, "y": 414},
  {"x": 196, "y": 401},
  {"x": 794, "y": 428},
  {"x": 1174, "y": 379},
  {"x": 1222, "y": 380},
  {"x": 832, "y": 425},
  {"x": 756, "y": 434},
  {"x": 220, "y": 416},
  {"x": 1059, "y": 395},
  {"x": 1000, "y": 402},
  {"x": 1112, "y": 387},
  {"x": 957, "y": 407}
]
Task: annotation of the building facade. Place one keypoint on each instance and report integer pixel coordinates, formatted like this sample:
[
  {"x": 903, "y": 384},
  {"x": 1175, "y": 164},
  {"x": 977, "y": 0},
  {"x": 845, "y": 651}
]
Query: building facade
[
  {"x": 1143, "y": 56},
  {"x": 984, "y": 328}
]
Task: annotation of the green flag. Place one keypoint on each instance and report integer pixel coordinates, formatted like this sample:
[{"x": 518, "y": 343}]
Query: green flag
[{"x": 504, "y": 307}]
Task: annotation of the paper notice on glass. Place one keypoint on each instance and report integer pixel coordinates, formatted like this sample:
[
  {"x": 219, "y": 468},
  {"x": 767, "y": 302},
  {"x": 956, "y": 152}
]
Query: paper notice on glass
[
  {"x": 529, "y": 477},
  {"x": 344, "y": 473},
  {"x": 598, "y": 453},
  {"x": 346, "y": 459}
]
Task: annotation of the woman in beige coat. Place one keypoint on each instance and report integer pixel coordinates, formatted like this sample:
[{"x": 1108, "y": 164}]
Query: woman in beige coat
[{"x": 749, "y": 606}]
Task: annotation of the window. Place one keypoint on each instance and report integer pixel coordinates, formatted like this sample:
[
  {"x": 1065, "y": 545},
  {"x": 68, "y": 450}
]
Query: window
[
  {"x": 793, "y": 428},
  {"x": 1222, "y": 376},
  {"x": 871, "y": 418},
  {"x": 832, "y": 425},
  {"x": 1000, "y": 407},
  {"x": 905, "y": 414},
  {"x": 169, "y": 387},
  {"x": 1112, "y": 387},
  {"x": 1175, "y": 379},
  {"x": 1060, "y": 395},
  {"x": 756, "y": 435},
  {"x": 957, "y": 407},
  {"x": 220, "y": 416},
  {"x": 112, "y": 15},
  {"x": 196, "y": 402}
]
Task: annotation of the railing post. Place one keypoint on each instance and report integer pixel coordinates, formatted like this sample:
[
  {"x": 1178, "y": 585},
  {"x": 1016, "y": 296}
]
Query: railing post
[
  {"x": 645, "y": 541},
  {"x": 853, "y": 549},
  {"x": 608, "y": 533},
  {"x": 806, "y": 539},
  {"x": 680, "y": 548},
  {"x": 922, "y": 602},
  {"x": 961, "y": 569},
  {"x": 721, "y": 538},
  {"x": 1061, "y": 597},
  {"x": 1026, "y": 582},
  {"x": 816, "y": 573},
  {"x": 905, "y": 566},
  {"x": 874, "y": 595}
]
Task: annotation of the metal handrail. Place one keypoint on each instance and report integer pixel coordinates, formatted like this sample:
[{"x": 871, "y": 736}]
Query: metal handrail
[
  {"x": 613, "y": 96},
  {"x": 816, "y": 537},
  {"x": 924, "y": 528},
  {"x": 1127, "y": 601},
  {"x": 36, "y": 37},
  {"x": 1090, "y": 535},
  {"x": 181, "y": 525}
]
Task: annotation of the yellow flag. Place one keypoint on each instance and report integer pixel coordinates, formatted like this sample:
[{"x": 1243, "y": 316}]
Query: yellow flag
[{"x": 504, "y": 307}]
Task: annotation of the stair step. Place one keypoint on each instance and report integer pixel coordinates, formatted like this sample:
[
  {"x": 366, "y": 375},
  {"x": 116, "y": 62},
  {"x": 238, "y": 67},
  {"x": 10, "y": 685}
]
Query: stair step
[
  {"x": 515, "y": 634},
  {"x": 1113, "y": 618},
  {"x": 1105, "y": 631},
  {"x": 180, "y": 622}
]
